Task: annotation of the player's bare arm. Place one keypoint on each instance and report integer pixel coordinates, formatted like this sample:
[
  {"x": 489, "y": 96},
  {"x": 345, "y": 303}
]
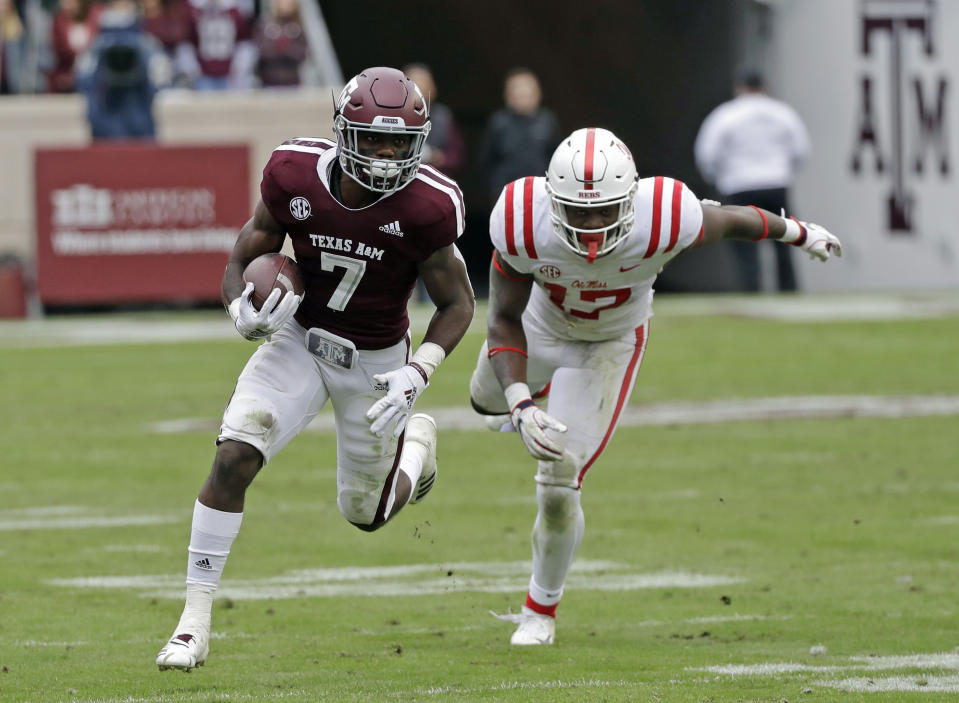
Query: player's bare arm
[
  {"x": 445, "y": 278},
  {"x": 444, "y": 275},
  {"x": 260, "y": 235},
  {"x": 753, "y": 223},
  {"x": 506, "y": 346},
  {"x": 509, "y": 291}
]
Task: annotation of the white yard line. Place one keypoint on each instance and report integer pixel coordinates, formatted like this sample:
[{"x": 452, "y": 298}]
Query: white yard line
[
  {"x": 85, "y": 522},
  {"x": 918, "y": 683},
  {"x": 933, "y": 682},
  {"x": 408, "y": 580},
  {"x": 171, "y": 327},
  {"x": 685, "y": 413}
]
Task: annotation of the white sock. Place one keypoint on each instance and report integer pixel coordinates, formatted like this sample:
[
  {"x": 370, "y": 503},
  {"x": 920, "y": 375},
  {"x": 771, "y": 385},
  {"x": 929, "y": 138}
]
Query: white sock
[
  {"x": 211, "y": 537},
  {"x": 411, "y": 464},
  {"x": 557, "y": 534},
  {"x": 197, "y": 611}
]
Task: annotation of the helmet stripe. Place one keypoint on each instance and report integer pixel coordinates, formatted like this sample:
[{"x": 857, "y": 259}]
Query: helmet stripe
[
  {"x": 675, "y": 215},
  {"x": 510, "y": 235},
  {"x": 657, "y": 217},
  {"x": 590, "y": 156},
  {"x": 528, "y": 217}
]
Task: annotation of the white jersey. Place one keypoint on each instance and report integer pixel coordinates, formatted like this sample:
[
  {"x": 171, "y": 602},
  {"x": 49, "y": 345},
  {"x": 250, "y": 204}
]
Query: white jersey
[{"x": 613, "y": 295}]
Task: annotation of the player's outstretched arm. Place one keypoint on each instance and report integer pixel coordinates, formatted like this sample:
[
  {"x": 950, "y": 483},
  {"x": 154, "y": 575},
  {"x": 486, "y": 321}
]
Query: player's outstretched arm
[{"x": 749, "y": 222}]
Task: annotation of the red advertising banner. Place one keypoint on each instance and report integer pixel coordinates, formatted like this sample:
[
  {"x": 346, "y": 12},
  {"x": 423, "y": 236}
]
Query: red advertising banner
[{"x": 137, "y": 223}]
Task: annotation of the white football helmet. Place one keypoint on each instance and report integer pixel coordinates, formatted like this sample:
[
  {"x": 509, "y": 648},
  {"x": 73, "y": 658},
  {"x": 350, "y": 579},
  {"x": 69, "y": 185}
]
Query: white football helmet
[{"x": 592, "y": 168}]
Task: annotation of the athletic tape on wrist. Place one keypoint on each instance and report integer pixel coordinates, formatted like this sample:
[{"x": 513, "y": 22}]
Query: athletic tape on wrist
[
  {"x": 420, "y": 370},
  {"x": 234, "y": 309},
  {"x": 516, "y": 393},
  {"x": 427, "y": 357},
  {"x": 795, "y": 233}
]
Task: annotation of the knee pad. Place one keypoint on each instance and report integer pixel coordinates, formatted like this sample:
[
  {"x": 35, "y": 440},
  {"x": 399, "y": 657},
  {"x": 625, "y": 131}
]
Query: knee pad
[
  {"x": 358, "y": 502},
  {"x": 485, "y": 389},
  {"x": 563, "y": 473},
  {"x": 252, "y": 420},
  {"x": 558, "y": 503}
]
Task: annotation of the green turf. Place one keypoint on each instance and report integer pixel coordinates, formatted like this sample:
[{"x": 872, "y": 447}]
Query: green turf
[{"x": 839, "y": 531}]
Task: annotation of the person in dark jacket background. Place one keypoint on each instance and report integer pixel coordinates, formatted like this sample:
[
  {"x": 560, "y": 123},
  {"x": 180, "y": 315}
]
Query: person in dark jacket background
[
  {"x": 521, "y": 136},
  {"x": 120, "y": 75}
]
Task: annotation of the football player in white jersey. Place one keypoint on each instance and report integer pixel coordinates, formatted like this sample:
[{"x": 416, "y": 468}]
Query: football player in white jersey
[{"x": 571, "y": 287}]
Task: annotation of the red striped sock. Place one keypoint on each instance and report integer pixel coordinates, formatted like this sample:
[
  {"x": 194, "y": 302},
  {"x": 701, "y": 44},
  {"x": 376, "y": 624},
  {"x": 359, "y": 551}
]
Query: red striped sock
[{"x": 541, "y": 609}]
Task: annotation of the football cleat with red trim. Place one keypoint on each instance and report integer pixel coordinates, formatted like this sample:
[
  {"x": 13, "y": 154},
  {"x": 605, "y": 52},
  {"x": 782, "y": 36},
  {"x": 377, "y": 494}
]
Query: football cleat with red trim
[{"x": 532, "y": 627}]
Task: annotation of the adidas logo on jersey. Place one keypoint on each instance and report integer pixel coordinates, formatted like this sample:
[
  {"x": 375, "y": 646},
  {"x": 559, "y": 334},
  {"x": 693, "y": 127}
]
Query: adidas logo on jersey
[
  {"x": 203, "y": 563},
  {"x": 392, "y": 228}
]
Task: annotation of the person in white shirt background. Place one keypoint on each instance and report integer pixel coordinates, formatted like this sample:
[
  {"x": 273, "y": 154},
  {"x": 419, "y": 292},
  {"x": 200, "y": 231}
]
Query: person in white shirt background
[{"x": 749, "y": 149}]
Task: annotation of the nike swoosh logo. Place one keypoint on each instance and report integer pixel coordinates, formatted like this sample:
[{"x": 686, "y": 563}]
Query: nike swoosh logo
[{"x": 624, "y": 269}]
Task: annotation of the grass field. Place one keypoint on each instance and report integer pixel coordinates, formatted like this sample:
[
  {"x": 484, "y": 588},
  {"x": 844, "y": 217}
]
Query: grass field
[{"x": 812, "y": 559}]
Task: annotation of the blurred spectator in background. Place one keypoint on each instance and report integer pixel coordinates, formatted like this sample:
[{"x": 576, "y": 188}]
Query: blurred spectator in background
[
  {"x": 750, "y": 148},
  {"x": 168, "y": 21},
  {"x": 73, "y": 31},
  {"x": 521, "y": 136},
  {"x": 281, "y": 45},
  {"x": 120, "y": 75},
  {"x": 444, "y": 145},
  {"x": 221, "y": 38},
  {"x": 11, "y": 47}
]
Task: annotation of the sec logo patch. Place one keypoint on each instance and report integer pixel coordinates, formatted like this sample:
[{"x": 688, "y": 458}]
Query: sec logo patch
[
  {"x": 300, "y": 208},
  {"x": 550, "y": 271}
]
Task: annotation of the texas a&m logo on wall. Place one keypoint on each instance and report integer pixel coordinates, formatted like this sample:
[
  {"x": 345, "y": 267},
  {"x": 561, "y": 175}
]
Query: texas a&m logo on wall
[{"x": 903, "y": 100}]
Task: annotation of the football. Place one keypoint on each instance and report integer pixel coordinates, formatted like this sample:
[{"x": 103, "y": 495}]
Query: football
[{"x": 271, "y": 271}]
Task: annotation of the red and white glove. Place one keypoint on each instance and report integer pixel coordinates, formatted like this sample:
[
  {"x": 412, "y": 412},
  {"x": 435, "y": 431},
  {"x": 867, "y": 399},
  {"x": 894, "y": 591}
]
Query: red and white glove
[
  {"x": 403, "y": 386},
  {"x": 252, "y": 323},
  {"x": 532, "y": 423},
  {"x": 817, "y": 241}
]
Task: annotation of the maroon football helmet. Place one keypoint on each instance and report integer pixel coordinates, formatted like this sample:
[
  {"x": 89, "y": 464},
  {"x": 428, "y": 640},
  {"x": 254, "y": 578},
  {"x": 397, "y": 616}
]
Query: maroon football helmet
[{"x": 380, "y": 100}]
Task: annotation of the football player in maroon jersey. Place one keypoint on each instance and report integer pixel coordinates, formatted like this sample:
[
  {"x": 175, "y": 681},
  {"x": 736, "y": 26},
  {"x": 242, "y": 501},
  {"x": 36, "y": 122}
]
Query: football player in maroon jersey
[
  {"x": 571, "y": 289},
  {"x": 365, "y": 220}
]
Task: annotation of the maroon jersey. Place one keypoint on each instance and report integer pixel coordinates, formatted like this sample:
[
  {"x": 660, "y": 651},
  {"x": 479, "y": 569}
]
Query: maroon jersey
[{"x": 359, "y": 266}]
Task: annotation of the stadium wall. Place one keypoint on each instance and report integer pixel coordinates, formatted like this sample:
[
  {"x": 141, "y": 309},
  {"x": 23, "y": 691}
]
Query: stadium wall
[
  {"x": 261, "y": 120},
  {"x": 876, "y": 82}
]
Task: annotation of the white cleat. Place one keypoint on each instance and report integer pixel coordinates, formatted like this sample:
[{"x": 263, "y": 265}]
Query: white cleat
[
  {"x": 499, "y": 423},
  {"x": 185, "y": 651},
  {"x": 534, "y": 628},
  {"x": 421, "y": 429}
]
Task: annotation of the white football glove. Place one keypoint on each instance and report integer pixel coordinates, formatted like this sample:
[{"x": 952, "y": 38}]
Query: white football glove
[
  {"x": 816, "y": 241},
  {"x": 254, "y": 324},
  {"x": 403, "y": 387},
  {"x": 532, "y": 423}
]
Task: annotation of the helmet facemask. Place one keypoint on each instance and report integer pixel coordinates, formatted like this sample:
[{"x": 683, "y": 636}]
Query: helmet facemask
[
  {"x": 378, "y": 174},
  {"x": 592, "y": 243},
  {"x": 592, "y": 169}
]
